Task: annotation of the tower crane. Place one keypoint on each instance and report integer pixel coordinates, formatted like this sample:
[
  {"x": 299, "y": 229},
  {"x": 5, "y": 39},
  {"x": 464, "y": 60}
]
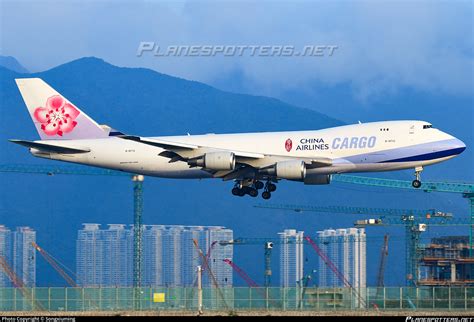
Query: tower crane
[
  {"x": 414, "y": 227},
  {"x": 414, "y": 221},
  {"x": 268, "y": 246},
  {"x": 466, "y": 190},
  {"x": 91, "y": 171}
]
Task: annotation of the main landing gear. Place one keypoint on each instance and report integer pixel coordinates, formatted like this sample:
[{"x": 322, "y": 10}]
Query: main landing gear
[
  {"x": 269, "y": 188},
  {"x": 251, "y": 187},
  {"x": 417, "y": 182}
]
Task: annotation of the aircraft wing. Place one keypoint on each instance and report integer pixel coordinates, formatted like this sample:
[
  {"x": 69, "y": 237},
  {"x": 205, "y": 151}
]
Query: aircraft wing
[
  {"x": 175, "y": 148},
  {"x": 167, "y": 145},
  {"x": 177, "y": 151}
]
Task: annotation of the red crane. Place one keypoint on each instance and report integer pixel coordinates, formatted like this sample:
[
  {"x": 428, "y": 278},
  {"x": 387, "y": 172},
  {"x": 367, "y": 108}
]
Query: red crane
[
  {"x": 251, "y": 283},
  {"x": 18, "y": 282},
  {"x": 55, "y": 264},
  {"x": 241, "y": 273},
  {"x": 334, "y": 268},
  {"x": 205, "y": 262},
  {"x": 383, "y": 260}
]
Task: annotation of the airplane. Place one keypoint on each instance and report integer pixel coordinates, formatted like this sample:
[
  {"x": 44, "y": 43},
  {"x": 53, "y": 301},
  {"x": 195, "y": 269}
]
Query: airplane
[{"x": 254, "y": 161}]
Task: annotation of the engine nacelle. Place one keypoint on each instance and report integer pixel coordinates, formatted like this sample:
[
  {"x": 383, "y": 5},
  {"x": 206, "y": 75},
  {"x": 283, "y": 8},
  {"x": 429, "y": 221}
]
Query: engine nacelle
[
  {"x": 215, "y": 161},
  {"x": 291, "y": 170},
  {"x": 317, "y": 179}
]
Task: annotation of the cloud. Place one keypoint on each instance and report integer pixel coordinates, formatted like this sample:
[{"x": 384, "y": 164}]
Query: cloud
[{"x": 381, "y": 46}]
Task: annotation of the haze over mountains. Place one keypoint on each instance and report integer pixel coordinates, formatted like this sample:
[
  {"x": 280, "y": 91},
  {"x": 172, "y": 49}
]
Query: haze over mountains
[
  {"x": 11, "y": 63},
  {"x": 144, "y": 102}
]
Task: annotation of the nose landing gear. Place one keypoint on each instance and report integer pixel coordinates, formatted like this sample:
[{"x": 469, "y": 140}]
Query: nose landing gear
[{"x": 417, "y": 182}]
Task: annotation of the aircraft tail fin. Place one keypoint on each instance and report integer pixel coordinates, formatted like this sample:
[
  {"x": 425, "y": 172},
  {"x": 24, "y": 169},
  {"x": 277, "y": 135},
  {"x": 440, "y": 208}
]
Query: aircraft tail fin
[{"x": 54, "y": 116}]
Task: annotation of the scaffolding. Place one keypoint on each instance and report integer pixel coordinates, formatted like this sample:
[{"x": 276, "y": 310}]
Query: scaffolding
[{"x": 446, "y": 262}]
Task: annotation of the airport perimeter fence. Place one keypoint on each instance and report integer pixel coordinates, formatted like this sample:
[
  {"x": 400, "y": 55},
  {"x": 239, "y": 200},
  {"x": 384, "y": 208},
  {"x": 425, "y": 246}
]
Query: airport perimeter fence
[{"x": 236, "y": 299}]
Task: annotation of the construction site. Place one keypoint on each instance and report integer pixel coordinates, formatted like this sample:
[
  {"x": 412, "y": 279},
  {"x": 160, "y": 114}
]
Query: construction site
[{"x": 438, "y": 274}]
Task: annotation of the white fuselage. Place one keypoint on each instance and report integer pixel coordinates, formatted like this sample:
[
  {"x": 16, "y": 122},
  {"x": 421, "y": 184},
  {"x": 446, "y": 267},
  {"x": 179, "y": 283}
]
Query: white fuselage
[{"x": 377, "y": 146}]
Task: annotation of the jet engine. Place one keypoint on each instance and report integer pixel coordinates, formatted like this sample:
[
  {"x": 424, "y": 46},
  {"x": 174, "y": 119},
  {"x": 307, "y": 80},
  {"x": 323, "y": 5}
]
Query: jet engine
[
  {"x": 291, "y": 170},
  {"x": 215, "y": 161}
]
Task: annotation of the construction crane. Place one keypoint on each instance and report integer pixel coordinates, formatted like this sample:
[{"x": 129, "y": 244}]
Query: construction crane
[
  {"x": 414, "y": 221},
  {"x": 414, "y": 227},
  {"x": 55, "y": 264},
  {"x": 205, "y": 262},
  {"x": 335, "y": 270},
  {"x": 250, "y": 282},
  {"x": 91, "y": 171},
  {"x": 267, "y": 275},
  {"x": 241, "y": 273},
  {"x": 18, "y": 283},
  {"x": 466, "y": 190},
  {"x": 268, "y": 246},
  {"x": 304, "y": 282},
  {"x": 383, "y": 260}
]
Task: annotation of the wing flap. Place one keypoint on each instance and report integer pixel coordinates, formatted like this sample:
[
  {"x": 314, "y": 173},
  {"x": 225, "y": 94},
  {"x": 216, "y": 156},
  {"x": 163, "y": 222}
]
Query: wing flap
[{"x": 51, "y": 148}]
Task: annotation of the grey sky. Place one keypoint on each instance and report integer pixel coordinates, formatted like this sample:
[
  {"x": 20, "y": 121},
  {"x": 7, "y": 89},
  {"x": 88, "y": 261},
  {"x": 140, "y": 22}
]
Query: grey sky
[{"x": 382, "y": 45}]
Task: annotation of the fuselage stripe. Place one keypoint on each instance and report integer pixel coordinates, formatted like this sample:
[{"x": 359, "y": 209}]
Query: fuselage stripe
[{"x": 428, "y": 156}]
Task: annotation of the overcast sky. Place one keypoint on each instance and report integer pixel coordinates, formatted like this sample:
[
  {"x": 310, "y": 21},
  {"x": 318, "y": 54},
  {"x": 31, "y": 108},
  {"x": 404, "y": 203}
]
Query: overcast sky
[{"x": 381, "y": 45}]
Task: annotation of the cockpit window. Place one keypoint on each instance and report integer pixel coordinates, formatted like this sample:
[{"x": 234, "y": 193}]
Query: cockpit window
[{"x": 427, "y": 126}]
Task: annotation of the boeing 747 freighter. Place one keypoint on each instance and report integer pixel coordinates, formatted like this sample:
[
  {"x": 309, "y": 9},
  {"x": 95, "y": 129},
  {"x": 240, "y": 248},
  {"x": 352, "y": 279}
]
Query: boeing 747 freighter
[{"x": 254, "y": 161}]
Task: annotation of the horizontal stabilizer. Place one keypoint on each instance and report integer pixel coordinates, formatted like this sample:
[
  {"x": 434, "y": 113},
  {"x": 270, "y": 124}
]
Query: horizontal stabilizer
[{"x": 48, "y": 147}]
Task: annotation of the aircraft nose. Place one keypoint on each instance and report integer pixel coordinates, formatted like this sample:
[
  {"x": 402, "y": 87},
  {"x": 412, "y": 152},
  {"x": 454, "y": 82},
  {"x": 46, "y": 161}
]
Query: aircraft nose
[{"x": 459, "y": 146}]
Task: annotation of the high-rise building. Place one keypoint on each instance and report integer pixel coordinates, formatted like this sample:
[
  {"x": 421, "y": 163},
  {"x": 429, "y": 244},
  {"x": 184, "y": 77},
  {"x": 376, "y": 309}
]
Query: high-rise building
[
  {"x": 89, "y": 256},
  {"x": 221, "y": 270},
  {"x": 24, "y": 259},
  {"x": 117, "y": 269},
  {"x": 6, "y": 253},
  {"x": 173, "y": 260},
  {"x": 105, "y": 257},
  {"x": 291, "y": 257},
  {"x": 190, "y": 255},
  {"x": 346, "y": 248},
  {"x": 153, "y": 236}
]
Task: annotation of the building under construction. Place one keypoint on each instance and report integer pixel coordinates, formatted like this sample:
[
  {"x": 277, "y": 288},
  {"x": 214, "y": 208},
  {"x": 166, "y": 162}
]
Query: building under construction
[{"x": 447, "y": 261}]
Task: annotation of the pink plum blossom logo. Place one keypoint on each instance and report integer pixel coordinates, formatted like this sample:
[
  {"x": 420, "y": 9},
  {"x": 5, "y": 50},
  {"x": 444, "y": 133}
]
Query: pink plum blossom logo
[
  {"x": 58, "y": 117},
  {"x": 288, "y": 145}
]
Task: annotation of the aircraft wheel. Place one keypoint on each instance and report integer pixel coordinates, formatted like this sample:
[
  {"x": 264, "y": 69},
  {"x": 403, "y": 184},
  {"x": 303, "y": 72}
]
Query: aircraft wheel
[
  {"x": 272, "y": 187},
  {"x": 236, "y": 191},
  {"x": 416, "y": 184},
  {"x": 259, "y": 185},
  {"x": 266, "y": 195},
  {"x": 252, "y": 192}
]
